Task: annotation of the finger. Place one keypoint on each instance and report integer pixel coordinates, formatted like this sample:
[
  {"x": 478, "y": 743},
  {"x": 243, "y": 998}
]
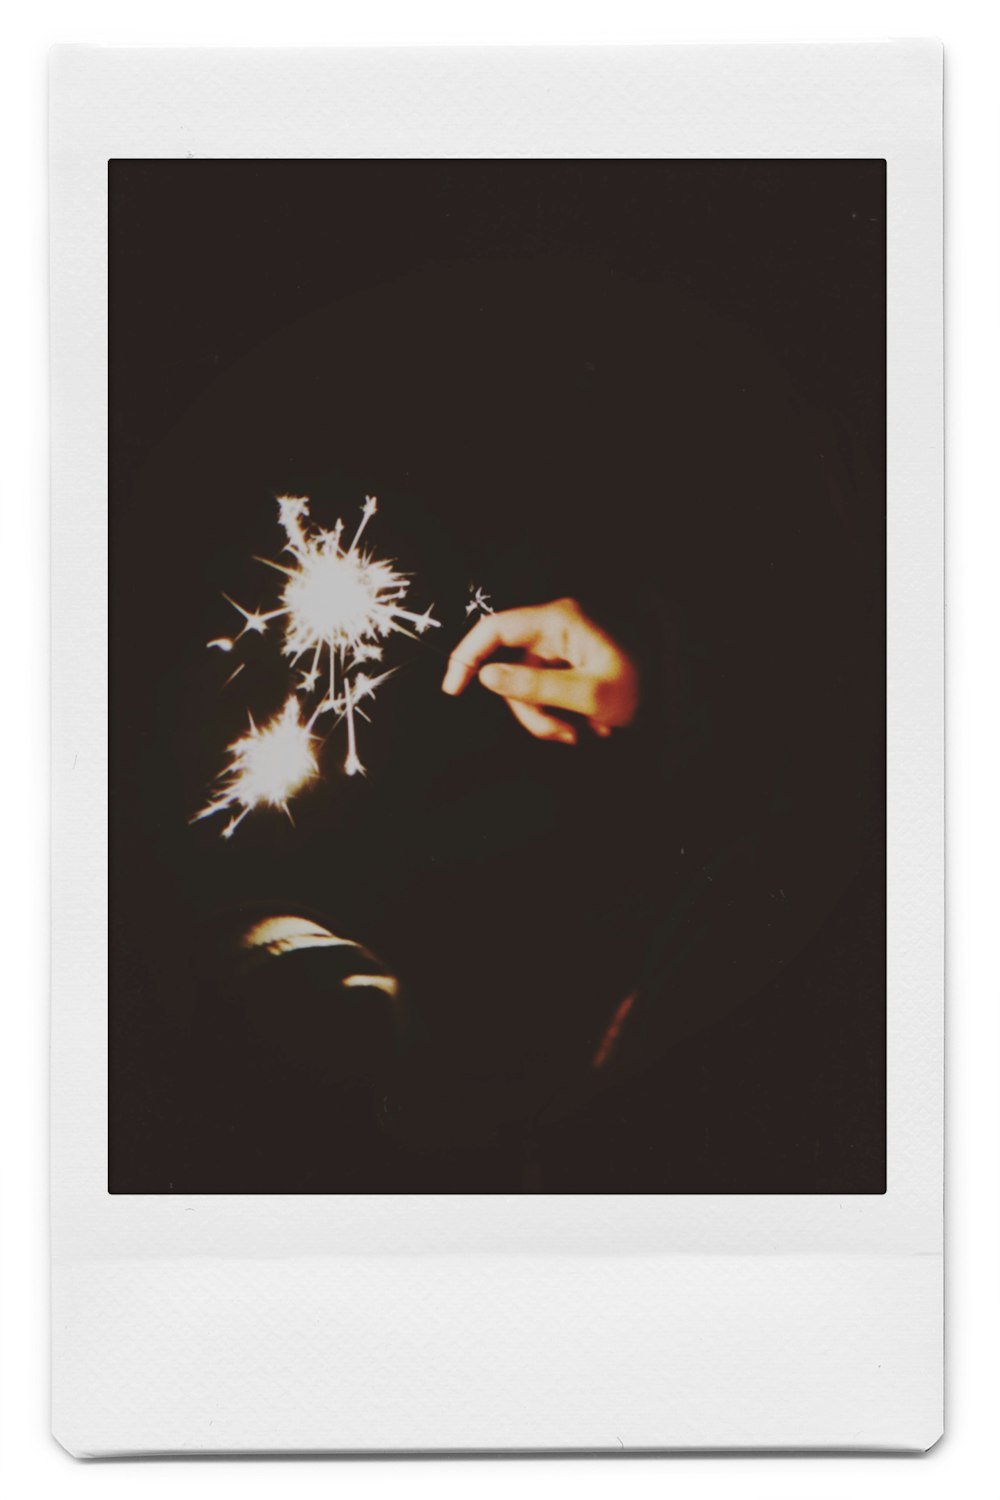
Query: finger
[
  {"x": 557, "y": 687},
  {"x": 599, "y": 727},
  {"x": 543, "y": 726},
  {"x": 511, "y": 627}
]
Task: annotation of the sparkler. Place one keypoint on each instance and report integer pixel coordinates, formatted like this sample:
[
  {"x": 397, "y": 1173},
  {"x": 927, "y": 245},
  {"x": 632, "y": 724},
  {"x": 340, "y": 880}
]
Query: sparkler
[
  {"x": 266, "y": 767},
  {"x": 339, "y": 605},
  {"x": 478, "y": 600}
]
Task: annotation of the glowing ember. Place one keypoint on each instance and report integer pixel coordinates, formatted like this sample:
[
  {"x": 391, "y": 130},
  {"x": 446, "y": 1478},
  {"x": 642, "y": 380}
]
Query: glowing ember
[
  {"x": 266, "y": 767},
  {"x": 339, "y": 604}
]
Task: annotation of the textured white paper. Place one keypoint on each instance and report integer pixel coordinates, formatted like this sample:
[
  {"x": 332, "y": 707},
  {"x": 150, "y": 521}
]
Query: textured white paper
[{"x": 223, "y": 1324}]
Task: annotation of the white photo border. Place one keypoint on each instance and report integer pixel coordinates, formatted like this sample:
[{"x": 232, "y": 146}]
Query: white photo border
[{"x": 497, "y": 1323}]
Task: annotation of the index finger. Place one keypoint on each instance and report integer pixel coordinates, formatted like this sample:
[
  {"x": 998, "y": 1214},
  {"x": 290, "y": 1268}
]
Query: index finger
[{"x": 511, "y": 627}]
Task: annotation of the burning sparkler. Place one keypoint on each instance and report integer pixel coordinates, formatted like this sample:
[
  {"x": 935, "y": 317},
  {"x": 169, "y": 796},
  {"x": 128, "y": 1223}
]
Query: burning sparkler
[
  {"x": 339, "y": 604},
  {"x": 479, "y": 601},
  {"x": 266, "y": 767}
]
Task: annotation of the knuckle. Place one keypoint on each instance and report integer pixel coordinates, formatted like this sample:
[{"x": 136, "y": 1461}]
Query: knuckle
[{"x": 602, "y": 694}]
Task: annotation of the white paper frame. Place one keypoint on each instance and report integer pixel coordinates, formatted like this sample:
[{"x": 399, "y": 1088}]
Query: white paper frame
[{"x": 510, "y": 1323}]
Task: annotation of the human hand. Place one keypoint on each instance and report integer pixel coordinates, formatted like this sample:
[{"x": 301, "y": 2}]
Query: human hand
[{"x": 567, "y": 662}]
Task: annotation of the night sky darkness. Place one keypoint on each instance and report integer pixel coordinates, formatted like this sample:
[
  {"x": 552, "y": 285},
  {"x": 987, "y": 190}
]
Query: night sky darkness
[{"x": 657, "y": 386}]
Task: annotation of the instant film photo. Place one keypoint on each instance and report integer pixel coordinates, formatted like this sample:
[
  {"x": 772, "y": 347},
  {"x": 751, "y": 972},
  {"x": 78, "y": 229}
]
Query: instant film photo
[{"x": 497, "y": 642}]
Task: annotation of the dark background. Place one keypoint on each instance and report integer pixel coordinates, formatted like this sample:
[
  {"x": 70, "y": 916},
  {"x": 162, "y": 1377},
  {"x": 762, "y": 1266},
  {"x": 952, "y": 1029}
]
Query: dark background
[{"x": 656, "y": 385}]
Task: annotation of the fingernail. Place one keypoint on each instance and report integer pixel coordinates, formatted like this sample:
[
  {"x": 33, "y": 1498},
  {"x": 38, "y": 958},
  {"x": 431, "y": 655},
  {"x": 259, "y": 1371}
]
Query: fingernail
[{"x": 449, "y": 680}]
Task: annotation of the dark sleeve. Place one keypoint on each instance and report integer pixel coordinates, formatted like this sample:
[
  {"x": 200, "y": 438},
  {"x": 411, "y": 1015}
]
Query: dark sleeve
[{"x": 757, "y": 754}]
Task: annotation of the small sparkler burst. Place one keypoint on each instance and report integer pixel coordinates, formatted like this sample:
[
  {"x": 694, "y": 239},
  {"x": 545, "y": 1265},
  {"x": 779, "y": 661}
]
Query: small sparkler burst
[
  {"x": 479, "y": 602},
  {"x": 339, "y": 605},
  {"x": 266, "y": 767}
]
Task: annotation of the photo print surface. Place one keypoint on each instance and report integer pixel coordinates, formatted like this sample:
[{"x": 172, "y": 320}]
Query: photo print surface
[{"x": 497, "y": 614}]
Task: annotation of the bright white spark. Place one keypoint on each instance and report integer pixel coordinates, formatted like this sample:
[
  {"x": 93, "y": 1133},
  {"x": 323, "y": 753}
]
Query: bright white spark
[
  {"x": 340, "y": 601},
  {"x": 339, "y": 605},
  {"x": 267, "y": 766},
  {"x": 253, "y": 621},
  {"x": 480, "y": 601}
]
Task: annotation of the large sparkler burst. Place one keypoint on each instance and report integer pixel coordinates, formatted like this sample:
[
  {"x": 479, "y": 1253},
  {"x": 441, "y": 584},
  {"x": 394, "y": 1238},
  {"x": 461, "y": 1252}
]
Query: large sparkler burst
[{"x": 339, "y": 605}]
